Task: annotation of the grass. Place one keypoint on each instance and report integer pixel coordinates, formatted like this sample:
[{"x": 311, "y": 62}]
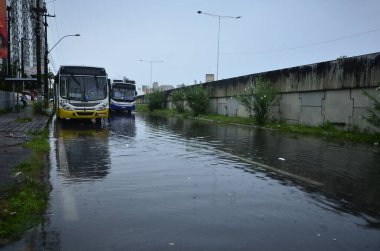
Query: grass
[
  {"x": 326, "y": 131},
  {"x": 24, "y": 119},
  {"x": 3, "y": 111},
  {"x": 329, "y": 132},
  {"x": 24, "y": 202}
]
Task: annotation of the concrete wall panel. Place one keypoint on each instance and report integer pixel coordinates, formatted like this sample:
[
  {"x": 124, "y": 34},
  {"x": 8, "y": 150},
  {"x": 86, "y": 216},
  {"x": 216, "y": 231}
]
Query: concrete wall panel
[
  {"x": 312, "y": 98},
  {"x": 213, "y": 105},
  {"x": 242, "y": 112},
  {"x": 311, "y": 115},
  {"x": 232, "y": 106},
  {"x": 6, "y": 100},
  {"x": 338, "y": 107},
  {"x": 358, "y": 119},
  {"x": 290, "y": 106},
  {"x": 360, "y": 100}
]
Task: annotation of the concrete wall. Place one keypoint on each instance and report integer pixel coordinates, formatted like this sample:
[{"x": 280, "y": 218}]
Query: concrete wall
[
  {"x": 311, "y": 94},
  {"x": 6, "y": 100}
]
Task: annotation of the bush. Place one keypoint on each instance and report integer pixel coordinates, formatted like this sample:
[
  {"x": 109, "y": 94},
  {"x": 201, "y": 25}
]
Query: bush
[
  {"x": 38, "y": 107},
  {"x": 156, "y": 100},
  {"x": 178, "y": 98},
  {"x": 258, "y": 98},
  {"x": 374, "y": 113},
  {"x": 197, "y": 99}
]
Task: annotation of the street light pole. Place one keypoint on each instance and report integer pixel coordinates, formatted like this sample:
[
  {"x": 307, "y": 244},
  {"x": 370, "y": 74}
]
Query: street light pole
[
  {"x": 219, "y": 17},
  {"x": 46, "y": 87},
  {"x": 151, "y": 67},
  {"x": 71, "y": 35}
]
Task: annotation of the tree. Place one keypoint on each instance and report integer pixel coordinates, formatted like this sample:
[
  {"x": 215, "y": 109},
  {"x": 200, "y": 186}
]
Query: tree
[
  {"x": 156, "y": 100},
  {"x": 374, "y": 113},
  {"x": 258, "y": 98},
  {"x": 197, "y": 99},
  {"x": 178, "y": 98}
]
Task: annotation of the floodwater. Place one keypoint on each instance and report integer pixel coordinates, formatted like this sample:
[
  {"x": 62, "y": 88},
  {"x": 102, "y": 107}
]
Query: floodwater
[{"x": 152, "y": 183}]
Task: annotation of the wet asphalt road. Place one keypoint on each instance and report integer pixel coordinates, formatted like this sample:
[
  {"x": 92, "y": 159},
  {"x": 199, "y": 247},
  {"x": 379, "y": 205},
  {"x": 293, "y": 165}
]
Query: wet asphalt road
[{"x": 151, "y": 183}]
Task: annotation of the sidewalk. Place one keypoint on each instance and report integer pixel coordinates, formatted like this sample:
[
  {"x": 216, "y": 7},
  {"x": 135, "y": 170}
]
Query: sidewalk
[{"x": 14, "y": 128}]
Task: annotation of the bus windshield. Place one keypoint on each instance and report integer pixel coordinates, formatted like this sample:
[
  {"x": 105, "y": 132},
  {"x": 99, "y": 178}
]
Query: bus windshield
[
  {"x": 83, "y": 88},
  {"x": 123, "y": 94}
]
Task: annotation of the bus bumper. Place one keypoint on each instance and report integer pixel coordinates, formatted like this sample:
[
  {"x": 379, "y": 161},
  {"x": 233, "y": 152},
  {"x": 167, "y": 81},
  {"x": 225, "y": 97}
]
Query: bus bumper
[
  {"x": 89, "y": 114},
  {"x": 116, "y": 107}
]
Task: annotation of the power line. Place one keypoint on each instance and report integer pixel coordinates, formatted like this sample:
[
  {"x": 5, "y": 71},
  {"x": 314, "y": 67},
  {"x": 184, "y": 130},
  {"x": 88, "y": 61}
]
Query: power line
[
  {"x": 303, "y": 46},
  {"x": 56, "y": 34},
  {"x": 52, "y": 63}
]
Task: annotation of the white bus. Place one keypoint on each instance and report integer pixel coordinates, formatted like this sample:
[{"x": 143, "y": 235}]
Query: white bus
[
  {"x": 81, "y": 92},
  {"x": 123, "y": 95}
]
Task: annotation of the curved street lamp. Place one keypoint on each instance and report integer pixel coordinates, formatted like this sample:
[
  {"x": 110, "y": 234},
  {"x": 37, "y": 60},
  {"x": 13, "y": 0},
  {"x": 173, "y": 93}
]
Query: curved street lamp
[
  {"x": 46, "y": 87},
  {"x": 70, "y": 35},
  {"x": 219, "y": 17}
]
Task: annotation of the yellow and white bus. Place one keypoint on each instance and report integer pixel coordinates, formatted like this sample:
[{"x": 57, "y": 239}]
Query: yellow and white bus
[{"x": 81, "y": 92}]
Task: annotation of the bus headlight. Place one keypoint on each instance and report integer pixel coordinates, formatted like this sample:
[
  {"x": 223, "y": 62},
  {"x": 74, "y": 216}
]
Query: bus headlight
[
  {"x": 67, "y": 107},
  {"x": 102, "y": 107}
]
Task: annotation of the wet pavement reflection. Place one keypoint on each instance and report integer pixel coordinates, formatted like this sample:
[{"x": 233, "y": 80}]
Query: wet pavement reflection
[{"x": 144, "y": 182}]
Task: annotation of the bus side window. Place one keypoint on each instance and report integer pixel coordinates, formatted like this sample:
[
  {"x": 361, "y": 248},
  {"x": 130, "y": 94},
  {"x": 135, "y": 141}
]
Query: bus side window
[{"x": 63, "y": 90}]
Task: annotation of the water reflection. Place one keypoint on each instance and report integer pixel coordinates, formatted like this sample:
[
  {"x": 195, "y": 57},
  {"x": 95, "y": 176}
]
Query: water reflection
[
  {"x": 179, "y": 184},
  {"x": 123, "y": 124},
  {"x": 349, "y": 175},
  {"x": 82, "y": 150}
]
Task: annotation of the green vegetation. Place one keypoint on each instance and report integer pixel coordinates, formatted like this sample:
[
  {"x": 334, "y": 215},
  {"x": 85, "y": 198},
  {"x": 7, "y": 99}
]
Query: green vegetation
[
  {"x": 178, "y": 99},
  {"x": 327, "y": 131},
  {"x": 24, "y": 119},
  {"x": 156, "y": 100},
  {"x": 374, "y": 113},
  {"x": 258, "y": 98},
  {"x": 23, "y": 204},
  {"x": 38, "y": 107},
  {"x": 2, "y": 111},
  {"x": 197, "y": 99}
]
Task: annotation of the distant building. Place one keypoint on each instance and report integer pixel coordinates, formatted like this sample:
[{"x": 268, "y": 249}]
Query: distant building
[
  {"x": 156, "y": 87},
  {"x": 165, "y": 87},
  {"x": 146, "y": 89},
  {"x": 209, "y": 78}
]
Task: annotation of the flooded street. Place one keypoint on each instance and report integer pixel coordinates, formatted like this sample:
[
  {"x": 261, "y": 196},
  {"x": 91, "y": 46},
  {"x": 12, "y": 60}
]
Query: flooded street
[{"x": 157, "y": 183}]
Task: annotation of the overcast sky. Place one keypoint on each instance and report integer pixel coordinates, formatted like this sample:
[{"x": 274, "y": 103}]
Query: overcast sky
[{"x": 270, "y": 35}]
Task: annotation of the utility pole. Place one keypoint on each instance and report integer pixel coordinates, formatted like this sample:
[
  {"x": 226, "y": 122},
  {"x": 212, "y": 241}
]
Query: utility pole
[
  {"x": 38, "y": 11},
  {"x": 46, "y": 61},
  {"x": 22, "y": 57}
]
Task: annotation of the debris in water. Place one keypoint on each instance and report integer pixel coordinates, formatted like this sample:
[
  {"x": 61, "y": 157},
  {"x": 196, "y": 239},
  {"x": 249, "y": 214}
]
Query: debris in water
[
  {"x": 171, "y": 243},
  {"x": 281, "y": 159}
]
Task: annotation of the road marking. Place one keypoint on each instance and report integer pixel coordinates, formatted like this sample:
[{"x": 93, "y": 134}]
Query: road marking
[{"x": 271, "y": 168}]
